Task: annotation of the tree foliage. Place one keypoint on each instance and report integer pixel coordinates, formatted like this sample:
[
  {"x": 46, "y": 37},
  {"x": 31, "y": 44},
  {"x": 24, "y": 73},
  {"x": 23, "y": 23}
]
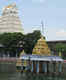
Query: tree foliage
[
  {"x": 30, "y": 40},
  {"x": 16, "y": 42},
  {"x": 60, "y": 47}
]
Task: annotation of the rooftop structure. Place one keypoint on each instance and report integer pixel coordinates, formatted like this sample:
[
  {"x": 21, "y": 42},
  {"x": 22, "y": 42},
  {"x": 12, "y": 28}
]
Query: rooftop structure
[
  {"x": 40, "y": 58},
  {"x": 40, "y": 64},
  {"x": 9, "y": 21},
  {"x": 22, "y": 53},
  {"x": 41, "y": 47}
]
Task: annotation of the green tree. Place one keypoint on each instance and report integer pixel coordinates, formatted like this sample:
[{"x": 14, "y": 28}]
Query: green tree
[
  {"x": 60, "y": 47},
  {"x": 14, "y": 43},
  {"x": 11, "y": 42},
  {"x": 30, "y": 41}
]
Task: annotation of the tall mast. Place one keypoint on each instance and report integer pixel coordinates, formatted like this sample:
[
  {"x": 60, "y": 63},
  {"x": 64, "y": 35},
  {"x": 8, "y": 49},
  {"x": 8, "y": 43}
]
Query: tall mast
[{"x": 42, "y": 26}]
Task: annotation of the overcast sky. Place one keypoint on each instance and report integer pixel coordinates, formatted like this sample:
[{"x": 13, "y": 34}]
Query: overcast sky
[{"x": 32, "y": 12}]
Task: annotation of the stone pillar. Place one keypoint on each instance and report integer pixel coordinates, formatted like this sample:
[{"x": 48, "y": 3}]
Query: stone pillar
[
  {"x": 40, "y": 66},
  {"x": 45, "y": 67},
  {"x": 60, "y": 67},
  {"x": 57, "y": 67},
  {"x": 50, "y": 67},
  {"x": 37, "y": 66},
  {"x": 32, "y": 67},
  {"x": 54, "y": 67}
]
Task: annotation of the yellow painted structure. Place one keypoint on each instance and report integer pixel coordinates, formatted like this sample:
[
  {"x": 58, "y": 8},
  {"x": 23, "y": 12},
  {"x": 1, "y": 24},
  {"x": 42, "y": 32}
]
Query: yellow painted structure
[
  {"x": 18, "y": 63},
  {"x": 22, "y": 53},
  {"x": 60, "y": 54},
  {"x": 41, "y": 48},
  {"x": 24, "y": 63}
]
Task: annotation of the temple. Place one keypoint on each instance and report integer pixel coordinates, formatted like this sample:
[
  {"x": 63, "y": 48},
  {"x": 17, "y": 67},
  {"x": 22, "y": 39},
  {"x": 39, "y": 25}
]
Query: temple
[
  {"x": 41, "y": 60},
  {"x": 9, "y": 21}
]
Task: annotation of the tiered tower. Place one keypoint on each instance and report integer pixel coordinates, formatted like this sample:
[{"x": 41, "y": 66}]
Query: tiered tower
[
  {"x": 41, "y": 48},
  {"x": 9, "y": 21}
]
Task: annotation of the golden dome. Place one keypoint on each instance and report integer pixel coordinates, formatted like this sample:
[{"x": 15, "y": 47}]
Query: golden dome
[
  {"x": 9, "y": 6},
  {"x": 41, "y": 48}
]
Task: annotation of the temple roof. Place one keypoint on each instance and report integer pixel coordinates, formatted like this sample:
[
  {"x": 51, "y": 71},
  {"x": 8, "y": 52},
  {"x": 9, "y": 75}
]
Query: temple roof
[
  {"x": 41, "y": 47},
  {"x": 22, "y": 53},
  {"x": 40, "y": 58},
  {"x": 10, "y": 6}
]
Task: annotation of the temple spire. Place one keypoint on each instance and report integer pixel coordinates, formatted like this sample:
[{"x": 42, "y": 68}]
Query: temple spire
[
  {"x": 42, "y": 26},
  {"x": 41, "y": 47}
]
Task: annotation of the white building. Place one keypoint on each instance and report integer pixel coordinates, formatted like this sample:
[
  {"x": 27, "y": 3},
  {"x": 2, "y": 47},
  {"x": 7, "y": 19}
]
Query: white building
[{"x": 9, "y": 21}]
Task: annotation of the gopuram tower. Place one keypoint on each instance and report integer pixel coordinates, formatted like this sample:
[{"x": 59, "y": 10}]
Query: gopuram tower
[{"x": 9, "y": 21}]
